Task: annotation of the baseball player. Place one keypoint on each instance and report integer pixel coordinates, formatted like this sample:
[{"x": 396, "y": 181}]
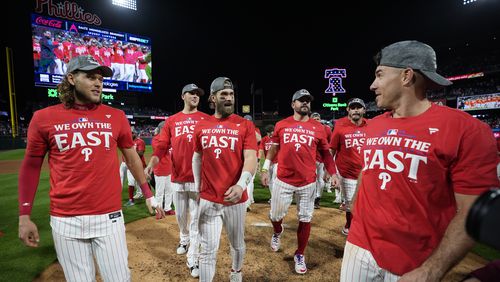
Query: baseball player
[
  {"x": 223, "y": 165},
  {"x": 250, "y": 187},
  {"x": 423, "y": 167},
  {"x": 162, "y": 174},
  {"x": 299, "y": 138},
  {"x": 81, "y": 136},
  {"x": 140, "y": 148},
  {"x": 264, "y": 146},
  {"x": 320, "y": 166},
  {"x": 346, "y": 143},
  {"x": 177, "y": 134}
]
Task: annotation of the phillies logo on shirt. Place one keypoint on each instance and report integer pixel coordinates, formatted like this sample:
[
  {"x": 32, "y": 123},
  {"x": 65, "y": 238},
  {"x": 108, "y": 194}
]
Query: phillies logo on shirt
[
  {"x": 83, "y": 134},
  {"x": 395, "y": 154}
]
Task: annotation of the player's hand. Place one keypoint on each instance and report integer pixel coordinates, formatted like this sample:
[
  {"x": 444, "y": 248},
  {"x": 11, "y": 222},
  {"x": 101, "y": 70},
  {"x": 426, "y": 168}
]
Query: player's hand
[
  {"x": 233, "y": 194},
  {"x": 421, "y": 273},
  {"x": 326, "y": 176},
  {"x": 264, "y": 178},
  {"x": 335, "y": 181},
  {"x": 158, "y": 210},
  {"x": 148, "y": 171},
  {"x": 28, "y": 232}
]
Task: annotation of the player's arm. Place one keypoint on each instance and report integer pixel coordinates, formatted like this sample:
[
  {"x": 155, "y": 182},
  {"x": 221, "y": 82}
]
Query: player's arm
[
  {"x": 234, "y": 193},
  {"x": 196, "y": 166},
  {"x": 29, "y": 175},
  {"x": 162, "y": 149},
  {"x": 134, "y": 164},
  {"x": 453, "y": 247},
  {"x": 264, "y": 176}
]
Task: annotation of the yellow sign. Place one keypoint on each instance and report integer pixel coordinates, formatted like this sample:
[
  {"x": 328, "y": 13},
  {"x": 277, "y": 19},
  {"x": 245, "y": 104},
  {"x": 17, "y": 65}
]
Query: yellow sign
[{"x": 245, "y": 109}]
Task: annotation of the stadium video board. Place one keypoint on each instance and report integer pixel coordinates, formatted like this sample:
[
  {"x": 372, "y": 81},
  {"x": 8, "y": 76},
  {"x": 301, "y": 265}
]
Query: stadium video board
[
  {"x": 56, "y": 41},
  {"x": 479, "y": 102}
]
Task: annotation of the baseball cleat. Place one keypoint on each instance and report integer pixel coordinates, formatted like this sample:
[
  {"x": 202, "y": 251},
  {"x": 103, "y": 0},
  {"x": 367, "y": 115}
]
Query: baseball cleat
[
  {"x": 235, "y": 277},
  {"x": 300, "y": 264},
  {"x": 195, "y": 271},
  {"x": 182, "y": 249},
  {"x": 276, "y": 241},
  {"x": 345, "y": 231},
  {"x": 129, "y": 203},
  {"x": 170, "y": 212},
  {"x": 138, "y": 196}
]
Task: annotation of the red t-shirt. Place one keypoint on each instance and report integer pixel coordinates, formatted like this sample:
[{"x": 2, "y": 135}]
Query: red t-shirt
[
  {"x": 411, "y": 169},
  {"x": 347, "y": 141},
  {"x": 298, "y": 143},
  {"x": 178, "y": 135},
  {"x": 221, "y": 142},
  {"x": 140, "y": 145},
  {"x": 265, "y": 145},
  {"x": 164, "y": 167},
  {"x": 328, "y": 134},
  {"x": 84, "y": 178}
]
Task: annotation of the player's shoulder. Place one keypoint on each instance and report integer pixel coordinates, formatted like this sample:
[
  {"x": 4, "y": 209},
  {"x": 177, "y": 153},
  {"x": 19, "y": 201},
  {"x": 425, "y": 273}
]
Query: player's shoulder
[
  {"x": 456, "y": 118},
  {"x": 110, "y": 110},
  {"x": 284, "y": 121},
  {"x": 50, "y": 110}
]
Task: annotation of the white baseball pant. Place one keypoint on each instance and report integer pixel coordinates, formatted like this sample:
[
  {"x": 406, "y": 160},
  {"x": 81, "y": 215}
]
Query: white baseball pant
[
  {"x": 347, "y": 189},
  {"x": 78, "y": 239},
  {"x": 123, "y": 172},
  {"x": 163, "y": 191},
  {"x": 186, "y": 212},
  {"x": 273, "y": 171},
  {"x": 282, "y": 196},
  {"x": 118, "y": 71},
  {"x": 320, "y": 182},
  {"x": 250, "y": 193},
  {"x": 358, "y": 264},
  {"x": 212, "y": 217},
  {"x": 130, "y": 179}
]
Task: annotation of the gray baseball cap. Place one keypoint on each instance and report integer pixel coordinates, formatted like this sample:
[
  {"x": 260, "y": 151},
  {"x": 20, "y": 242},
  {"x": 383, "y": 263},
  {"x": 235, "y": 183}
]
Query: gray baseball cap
[
  {"x": 315, "y": 114},
  {"x": 248, "y": 117},
  {"x": 356, "y": 101},
  {"x": 412, "y": 54},
  {"x": 161, "y": 125},
  {"x": 221, "y": 83},
  {"x": 87, "y": 63},
  {"x": 301, "y": 93},
  {"x": 192, "y": 88}
]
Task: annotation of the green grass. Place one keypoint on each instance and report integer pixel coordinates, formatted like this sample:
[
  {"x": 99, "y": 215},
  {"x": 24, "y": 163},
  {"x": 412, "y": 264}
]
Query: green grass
[
  {"x": 20, "y": 263},
  {"x": 11, "y": 155}
]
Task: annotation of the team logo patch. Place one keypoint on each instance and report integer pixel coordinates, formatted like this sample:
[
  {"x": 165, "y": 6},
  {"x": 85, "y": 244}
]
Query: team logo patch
[
  {"x": 115, "y": 215},
  {"x": 108, "y": 116},
  {"x": 219, "y": 126},
  {"x": 83, "y": 119},
  {"x": 392, "y": 132}
]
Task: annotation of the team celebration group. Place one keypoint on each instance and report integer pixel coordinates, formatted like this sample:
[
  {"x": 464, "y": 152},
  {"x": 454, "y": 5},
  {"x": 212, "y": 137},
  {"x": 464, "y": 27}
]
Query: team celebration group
[{"x": 407, "y": 177}]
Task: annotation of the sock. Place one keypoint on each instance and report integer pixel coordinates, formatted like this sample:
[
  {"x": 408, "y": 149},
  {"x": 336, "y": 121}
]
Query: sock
[
  {"x": 131, "y": 193},
  {"x": 277, "y": 226},
  {"x": 348, "y": 218},
  {"x": 303, "y": 236}
]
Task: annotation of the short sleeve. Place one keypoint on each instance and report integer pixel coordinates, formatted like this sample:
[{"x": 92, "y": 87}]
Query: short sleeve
[
  {"x": 164, "y": 140},
  {"x": 141, "y": 146},
  {"x": 335, "y": 140},
  {"x": 197, "y": 138},
  {"x": 38, "y": 141},
  {"x": 125, "y": 135},
  {"x": 474, "y": 170},
  {"x": 275, "y": 138},
  {"x": 250, "y": 142}
]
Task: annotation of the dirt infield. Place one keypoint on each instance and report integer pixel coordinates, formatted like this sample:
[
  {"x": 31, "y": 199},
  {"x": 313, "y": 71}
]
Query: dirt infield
[{"x": 152, "y": 255}]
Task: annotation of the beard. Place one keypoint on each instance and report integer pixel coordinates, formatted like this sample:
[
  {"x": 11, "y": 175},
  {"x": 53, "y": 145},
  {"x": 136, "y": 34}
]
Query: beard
[
  {"x": 225, "y": 111},
  {"x": 84, "y": 98},
  {"x": 303, "y": 111},
  {"x": 355, "y": 117}
]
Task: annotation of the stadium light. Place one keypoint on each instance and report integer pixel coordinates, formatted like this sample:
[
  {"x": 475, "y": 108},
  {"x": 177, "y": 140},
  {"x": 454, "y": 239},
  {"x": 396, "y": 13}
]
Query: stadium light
[
  {"x": 469, "y": 1},
  {"x": 129, "y": 4}
]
